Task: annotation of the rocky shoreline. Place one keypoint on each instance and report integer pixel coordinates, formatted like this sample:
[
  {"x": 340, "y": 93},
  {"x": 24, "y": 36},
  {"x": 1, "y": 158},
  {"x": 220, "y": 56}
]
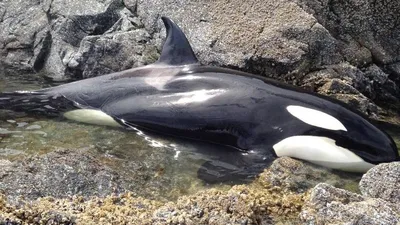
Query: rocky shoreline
[
  {"x": 285, "y": 193},
  {"x": 346, "y": 49}
]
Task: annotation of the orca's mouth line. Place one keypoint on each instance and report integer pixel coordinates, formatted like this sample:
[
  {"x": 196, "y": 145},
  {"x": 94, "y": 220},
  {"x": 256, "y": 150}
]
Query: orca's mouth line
[{"x": 364, "y": 151}]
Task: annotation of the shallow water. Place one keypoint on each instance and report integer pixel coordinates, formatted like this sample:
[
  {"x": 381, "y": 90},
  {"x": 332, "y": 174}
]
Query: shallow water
[
  {"x": 164, "y": 165},
  {"x": 163, "y": 168}
]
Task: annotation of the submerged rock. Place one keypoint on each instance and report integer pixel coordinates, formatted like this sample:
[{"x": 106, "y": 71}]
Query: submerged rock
[
  {"x": 64, "y": 173},
  {"x": 299, "y": 176},
  {"x": 382, "y": 181},
  {"x": 330, "y": 205},
  {"x": 60, "y": 174}
]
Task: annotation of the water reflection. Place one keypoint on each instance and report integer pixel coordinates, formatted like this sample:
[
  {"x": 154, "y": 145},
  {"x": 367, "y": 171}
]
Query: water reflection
[{"x": 152, "y": 163}]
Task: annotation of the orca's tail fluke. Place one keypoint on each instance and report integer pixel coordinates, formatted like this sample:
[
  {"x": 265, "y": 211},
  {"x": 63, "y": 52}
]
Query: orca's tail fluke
[
  {"x": 36, "y": 102},
  {"x": 23, "y": 101}
]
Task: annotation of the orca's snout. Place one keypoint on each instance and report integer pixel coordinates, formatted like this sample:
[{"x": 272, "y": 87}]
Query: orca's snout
[
  {"x": 339, "y": 139},
  {"x": 373, "y": 145},
  {"x": 389, "y": 150},
  {"x": 396, "y": 151}
]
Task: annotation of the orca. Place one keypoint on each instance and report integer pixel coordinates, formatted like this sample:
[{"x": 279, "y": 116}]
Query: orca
[{"x": 253, "y": 115}]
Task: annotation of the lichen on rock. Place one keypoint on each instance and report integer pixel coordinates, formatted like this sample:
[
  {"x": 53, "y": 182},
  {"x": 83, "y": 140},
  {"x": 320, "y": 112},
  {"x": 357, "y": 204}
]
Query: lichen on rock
[
  {"x": 382, "y": 181},
  {"x": 330, "y": 205},
  {"x": 242, "y": 204},
  {"x": 283, "y": 193}
]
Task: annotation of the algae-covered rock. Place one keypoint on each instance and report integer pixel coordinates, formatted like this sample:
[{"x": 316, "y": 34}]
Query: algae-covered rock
[
  {"x": 278, "y": 195},
  {"x": 382, "y": 181},
  {"x": 330, "y": 205},
  {"x": 251, "y": 204},
  {"x": 239, "y": 205}
]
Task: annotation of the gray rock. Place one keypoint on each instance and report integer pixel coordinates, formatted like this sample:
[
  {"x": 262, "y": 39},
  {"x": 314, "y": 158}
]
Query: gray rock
[
  {"x": 90, "y": 172},
  {"x": 338, "y": 86},
  {"x": 91, "y": 10},
  {"x": 248, "y": 37},
  {"x": 131, "y": 5},
  {"x": 47, "y": 35},
  {"x": 24, "y": 36},
  {"x": 382, "y": 181},
  {"x": 366, "y": 33},
  {"x": 395, "y": 70},
  {"x": 346, "y": 83},
  {"x": 65, "y": 40},
  {"x": 299, "y": 176},
  {"x": 371, "y": 24},
  {"x": 387, "y": 93},
  {"x": 354, "y": 52},
  {"x": 330, "y": 205},
  {"x": 71, "y": 25},
  {"x": 361, "y": 103},
  {"x": 60, "y": 174},
  {"x": 124, "y": 50}
]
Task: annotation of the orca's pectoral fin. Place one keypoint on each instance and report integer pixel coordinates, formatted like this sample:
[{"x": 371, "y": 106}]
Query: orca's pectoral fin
[{"x": 176, "y": 49}]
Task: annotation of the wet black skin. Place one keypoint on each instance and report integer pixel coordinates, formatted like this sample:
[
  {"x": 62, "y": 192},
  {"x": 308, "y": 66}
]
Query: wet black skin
[{"x": 245, "y": 112}]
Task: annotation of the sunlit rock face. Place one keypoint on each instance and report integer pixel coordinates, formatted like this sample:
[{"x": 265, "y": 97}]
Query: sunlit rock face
[
  {"x": 330, "y": 205},
  {"x": 348, "y": 50},
  {"x": 377, "y": 203},
  {"x": 382, "y": 181}
]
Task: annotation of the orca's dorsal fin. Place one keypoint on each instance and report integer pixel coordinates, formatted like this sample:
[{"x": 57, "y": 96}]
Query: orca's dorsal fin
[{"x": 176, "y": 49}]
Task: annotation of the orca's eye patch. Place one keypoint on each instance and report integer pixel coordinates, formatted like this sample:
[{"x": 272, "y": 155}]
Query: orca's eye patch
[{"x": 315, "y": 118}]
